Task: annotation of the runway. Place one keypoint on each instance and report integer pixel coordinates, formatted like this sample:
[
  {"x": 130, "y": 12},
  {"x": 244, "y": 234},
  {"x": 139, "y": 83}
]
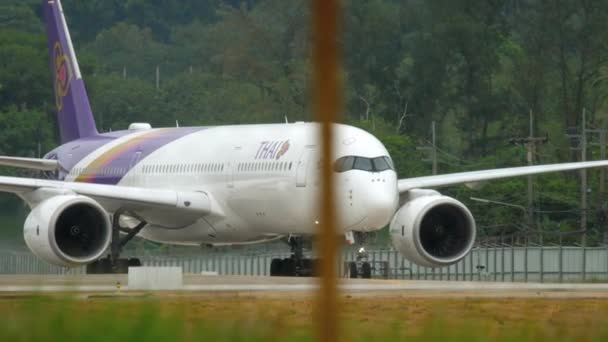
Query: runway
[{"x": 279, "y": 286}]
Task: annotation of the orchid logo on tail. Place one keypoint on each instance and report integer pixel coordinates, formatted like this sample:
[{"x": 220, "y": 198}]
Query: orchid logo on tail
[{"x": 63, "y": 74}]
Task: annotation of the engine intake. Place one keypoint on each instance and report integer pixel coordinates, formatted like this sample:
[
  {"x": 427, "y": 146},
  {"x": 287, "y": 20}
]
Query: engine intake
[
  {"x": 68, "y": 230},
  {"x": 433, "y": 230}
]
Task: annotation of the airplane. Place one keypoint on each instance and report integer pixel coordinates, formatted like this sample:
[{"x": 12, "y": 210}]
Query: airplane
[{"x": 223, "y": 185}]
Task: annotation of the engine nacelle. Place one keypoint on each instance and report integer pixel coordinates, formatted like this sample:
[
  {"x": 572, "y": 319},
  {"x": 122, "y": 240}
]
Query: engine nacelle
[
  {"x": 68, "y": 230},
  {"x": 433, "y": 230}
]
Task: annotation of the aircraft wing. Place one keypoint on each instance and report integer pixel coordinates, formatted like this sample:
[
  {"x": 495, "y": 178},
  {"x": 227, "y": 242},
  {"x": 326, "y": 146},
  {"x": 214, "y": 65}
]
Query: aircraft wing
[
  {"x": 30, "y": 163},
  {"x": 438, "y": 181},
  {"x": 112, "y": 197}
]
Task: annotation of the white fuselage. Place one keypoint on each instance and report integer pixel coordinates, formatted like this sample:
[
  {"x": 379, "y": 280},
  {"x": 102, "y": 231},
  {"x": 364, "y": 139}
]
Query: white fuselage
[{"x": 263, "y": 179}]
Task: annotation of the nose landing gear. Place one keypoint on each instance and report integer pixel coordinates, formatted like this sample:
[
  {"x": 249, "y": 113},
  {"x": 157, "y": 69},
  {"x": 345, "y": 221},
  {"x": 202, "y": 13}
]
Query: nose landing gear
[{"x": 361, "y": 267}]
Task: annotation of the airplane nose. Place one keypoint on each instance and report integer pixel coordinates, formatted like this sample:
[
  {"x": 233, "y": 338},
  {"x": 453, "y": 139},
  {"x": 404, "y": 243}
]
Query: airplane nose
[{"x": 381, "y": 201}]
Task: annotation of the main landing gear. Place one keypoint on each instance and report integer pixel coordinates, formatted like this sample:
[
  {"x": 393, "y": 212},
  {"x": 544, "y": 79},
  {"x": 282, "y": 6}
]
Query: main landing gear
[
  {"x": 113, "y": 263},
  {"x": 296, "y": 265}
]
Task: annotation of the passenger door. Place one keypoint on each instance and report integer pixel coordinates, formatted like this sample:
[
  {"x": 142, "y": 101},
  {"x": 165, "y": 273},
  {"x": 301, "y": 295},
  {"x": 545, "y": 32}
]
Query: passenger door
[{"x": 302, "y": 167}]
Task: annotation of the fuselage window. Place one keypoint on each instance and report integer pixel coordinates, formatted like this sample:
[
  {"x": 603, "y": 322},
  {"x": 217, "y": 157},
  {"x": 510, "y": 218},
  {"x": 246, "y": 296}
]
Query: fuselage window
[{"x": 290, "y": 164}]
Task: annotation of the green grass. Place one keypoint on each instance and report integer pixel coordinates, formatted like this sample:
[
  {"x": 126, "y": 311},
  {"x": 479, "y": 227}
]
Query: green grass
[{"x": 154, "y": 319}]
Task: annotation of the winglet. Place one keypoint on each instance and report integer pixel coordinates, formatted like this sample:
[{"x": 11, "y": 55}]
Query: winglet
[{"x": 75, "y": 117}]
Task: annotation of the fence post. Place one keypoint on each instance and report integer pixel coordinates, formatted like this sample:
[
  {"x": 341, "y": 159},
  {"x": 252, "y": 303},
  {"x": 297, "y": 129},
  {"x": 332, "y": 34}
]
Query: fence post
[
  {"x": 502, "y": 257},
  {"x": 487, "y": 265},
  {"x": 526, "y": 260},
  {"x": 495, "y": 263},
  {"x": 402, "y": 261},
  {"x": 471, "y": 264},
  {"x": 584, "y": 270},
  {"x": 512, "y": 258},
  {"x": 542, "y": 259},
  {"x": 561, "y": 260},
  {"x": 399, "y": 271}
]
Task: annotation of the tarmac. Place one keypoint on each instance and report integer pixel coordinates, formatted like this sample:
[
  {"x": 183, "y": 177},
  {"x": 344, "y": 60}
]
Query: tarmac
[{"x": 206, "y": 285}]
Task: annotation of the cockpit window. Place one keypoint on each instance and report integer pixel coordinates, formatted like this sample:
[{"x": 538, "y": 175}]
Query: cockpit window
[
  {"x": 364, "y": 164},
  {"x": 344, "y": 164},
  {"x": 378, "y": 164}
]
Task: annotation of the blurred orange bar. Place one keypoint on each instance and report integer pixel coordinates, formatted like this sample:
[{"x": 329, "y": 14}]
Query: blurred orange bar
[{"x": 327, "y": 106}]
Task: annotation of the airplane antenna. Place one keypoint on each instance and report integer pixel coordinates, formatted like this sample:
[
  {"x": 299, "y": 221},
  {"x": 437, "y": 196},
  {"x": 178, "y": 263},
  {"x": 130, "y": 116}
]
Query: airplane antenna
[
  {"x": 286, "y": 121},
  {"x": 176, "y": 123}
]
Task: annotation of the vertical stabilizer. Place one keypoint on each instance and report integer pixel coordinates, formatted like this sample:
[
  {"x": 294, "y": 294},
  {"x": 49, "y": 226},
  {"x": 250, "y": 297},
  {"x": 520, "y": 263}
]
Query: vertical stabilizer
[{"x": 74, "y": 114}]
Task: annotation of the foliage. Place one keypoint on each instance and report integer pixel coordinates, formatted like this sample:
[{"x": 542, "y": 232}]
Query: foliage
[{"x": 230, "y": 318}]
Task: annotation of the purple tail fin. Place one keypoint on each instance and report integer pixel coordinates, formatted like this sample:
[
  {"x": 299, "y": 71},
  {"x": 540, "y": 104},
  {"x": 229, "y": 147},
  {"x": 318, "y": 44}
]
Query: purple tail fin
[{"x": 74, "y": 113}]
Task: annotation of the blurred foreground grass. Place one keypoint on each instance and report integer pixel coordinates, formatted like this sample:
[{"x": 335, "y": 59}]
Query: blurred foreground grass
[{"x": 238, "y": 318}]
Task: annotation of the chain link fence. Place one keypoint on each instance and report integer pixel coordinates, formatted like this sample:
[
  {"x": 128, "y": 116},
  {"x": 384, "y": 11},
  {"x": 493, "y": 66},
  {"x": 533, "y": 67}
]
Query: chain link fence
[{"x": 501, "y": 263}]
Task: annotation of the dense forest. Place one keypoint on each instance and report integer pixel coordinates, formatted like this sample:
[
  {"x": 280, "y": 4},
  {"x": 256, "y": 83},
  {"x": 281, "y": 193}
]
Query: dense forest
[{"x": 476, "y": 68}]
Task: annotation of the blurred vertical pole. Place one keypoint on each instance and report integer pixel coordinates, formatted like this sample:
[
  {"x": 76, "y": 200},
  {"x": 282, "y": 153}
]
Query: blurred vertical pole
[
  {"x": 327, "y": 105},
  {"x": 157, "y": 77},
  {"x": 584, "y": 192},
  {"x": 434, "y": 150}
]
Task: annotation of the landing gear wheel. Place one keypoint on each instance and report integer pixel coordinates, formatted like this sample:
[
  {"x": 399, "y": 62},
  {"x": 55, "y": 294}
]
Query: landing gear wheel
[
  {"x": 121, "y": 266},
  {"x": 352, "y": 266},
  {"x": 275, "y": 267},
  {"x": 307, "y": 268},
  {"x": 288, "y": 267},
  {"x": 113, "y": 263},
  {"x": 109, "y": 266},
  {"x": 134, "y": 262},
  {"x": 366, "y": 270}
]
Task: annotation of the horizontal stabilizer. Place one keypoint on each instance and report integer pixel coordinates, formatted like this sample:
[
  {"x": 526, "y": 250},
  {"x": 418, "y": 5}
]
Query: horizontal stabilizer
[{"x": 30, "y": 163}]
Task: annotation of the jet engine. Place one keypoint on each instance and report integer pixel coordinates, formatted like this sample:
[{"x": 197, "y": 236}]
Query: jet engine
[
  {"x": 433, "y": 230},
  {"x": 68, "y": 230}
]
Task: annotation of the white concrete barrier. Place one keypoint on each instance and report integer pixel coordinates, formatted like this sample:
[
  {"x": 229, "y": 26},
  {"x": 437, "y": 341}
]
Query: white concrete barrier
[{"x": 156, "y": 278}]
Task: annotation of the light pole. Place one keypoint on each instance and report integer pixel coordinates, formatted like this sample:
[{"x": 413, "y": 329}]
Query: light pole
[{"x": 527, "y": 216}]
